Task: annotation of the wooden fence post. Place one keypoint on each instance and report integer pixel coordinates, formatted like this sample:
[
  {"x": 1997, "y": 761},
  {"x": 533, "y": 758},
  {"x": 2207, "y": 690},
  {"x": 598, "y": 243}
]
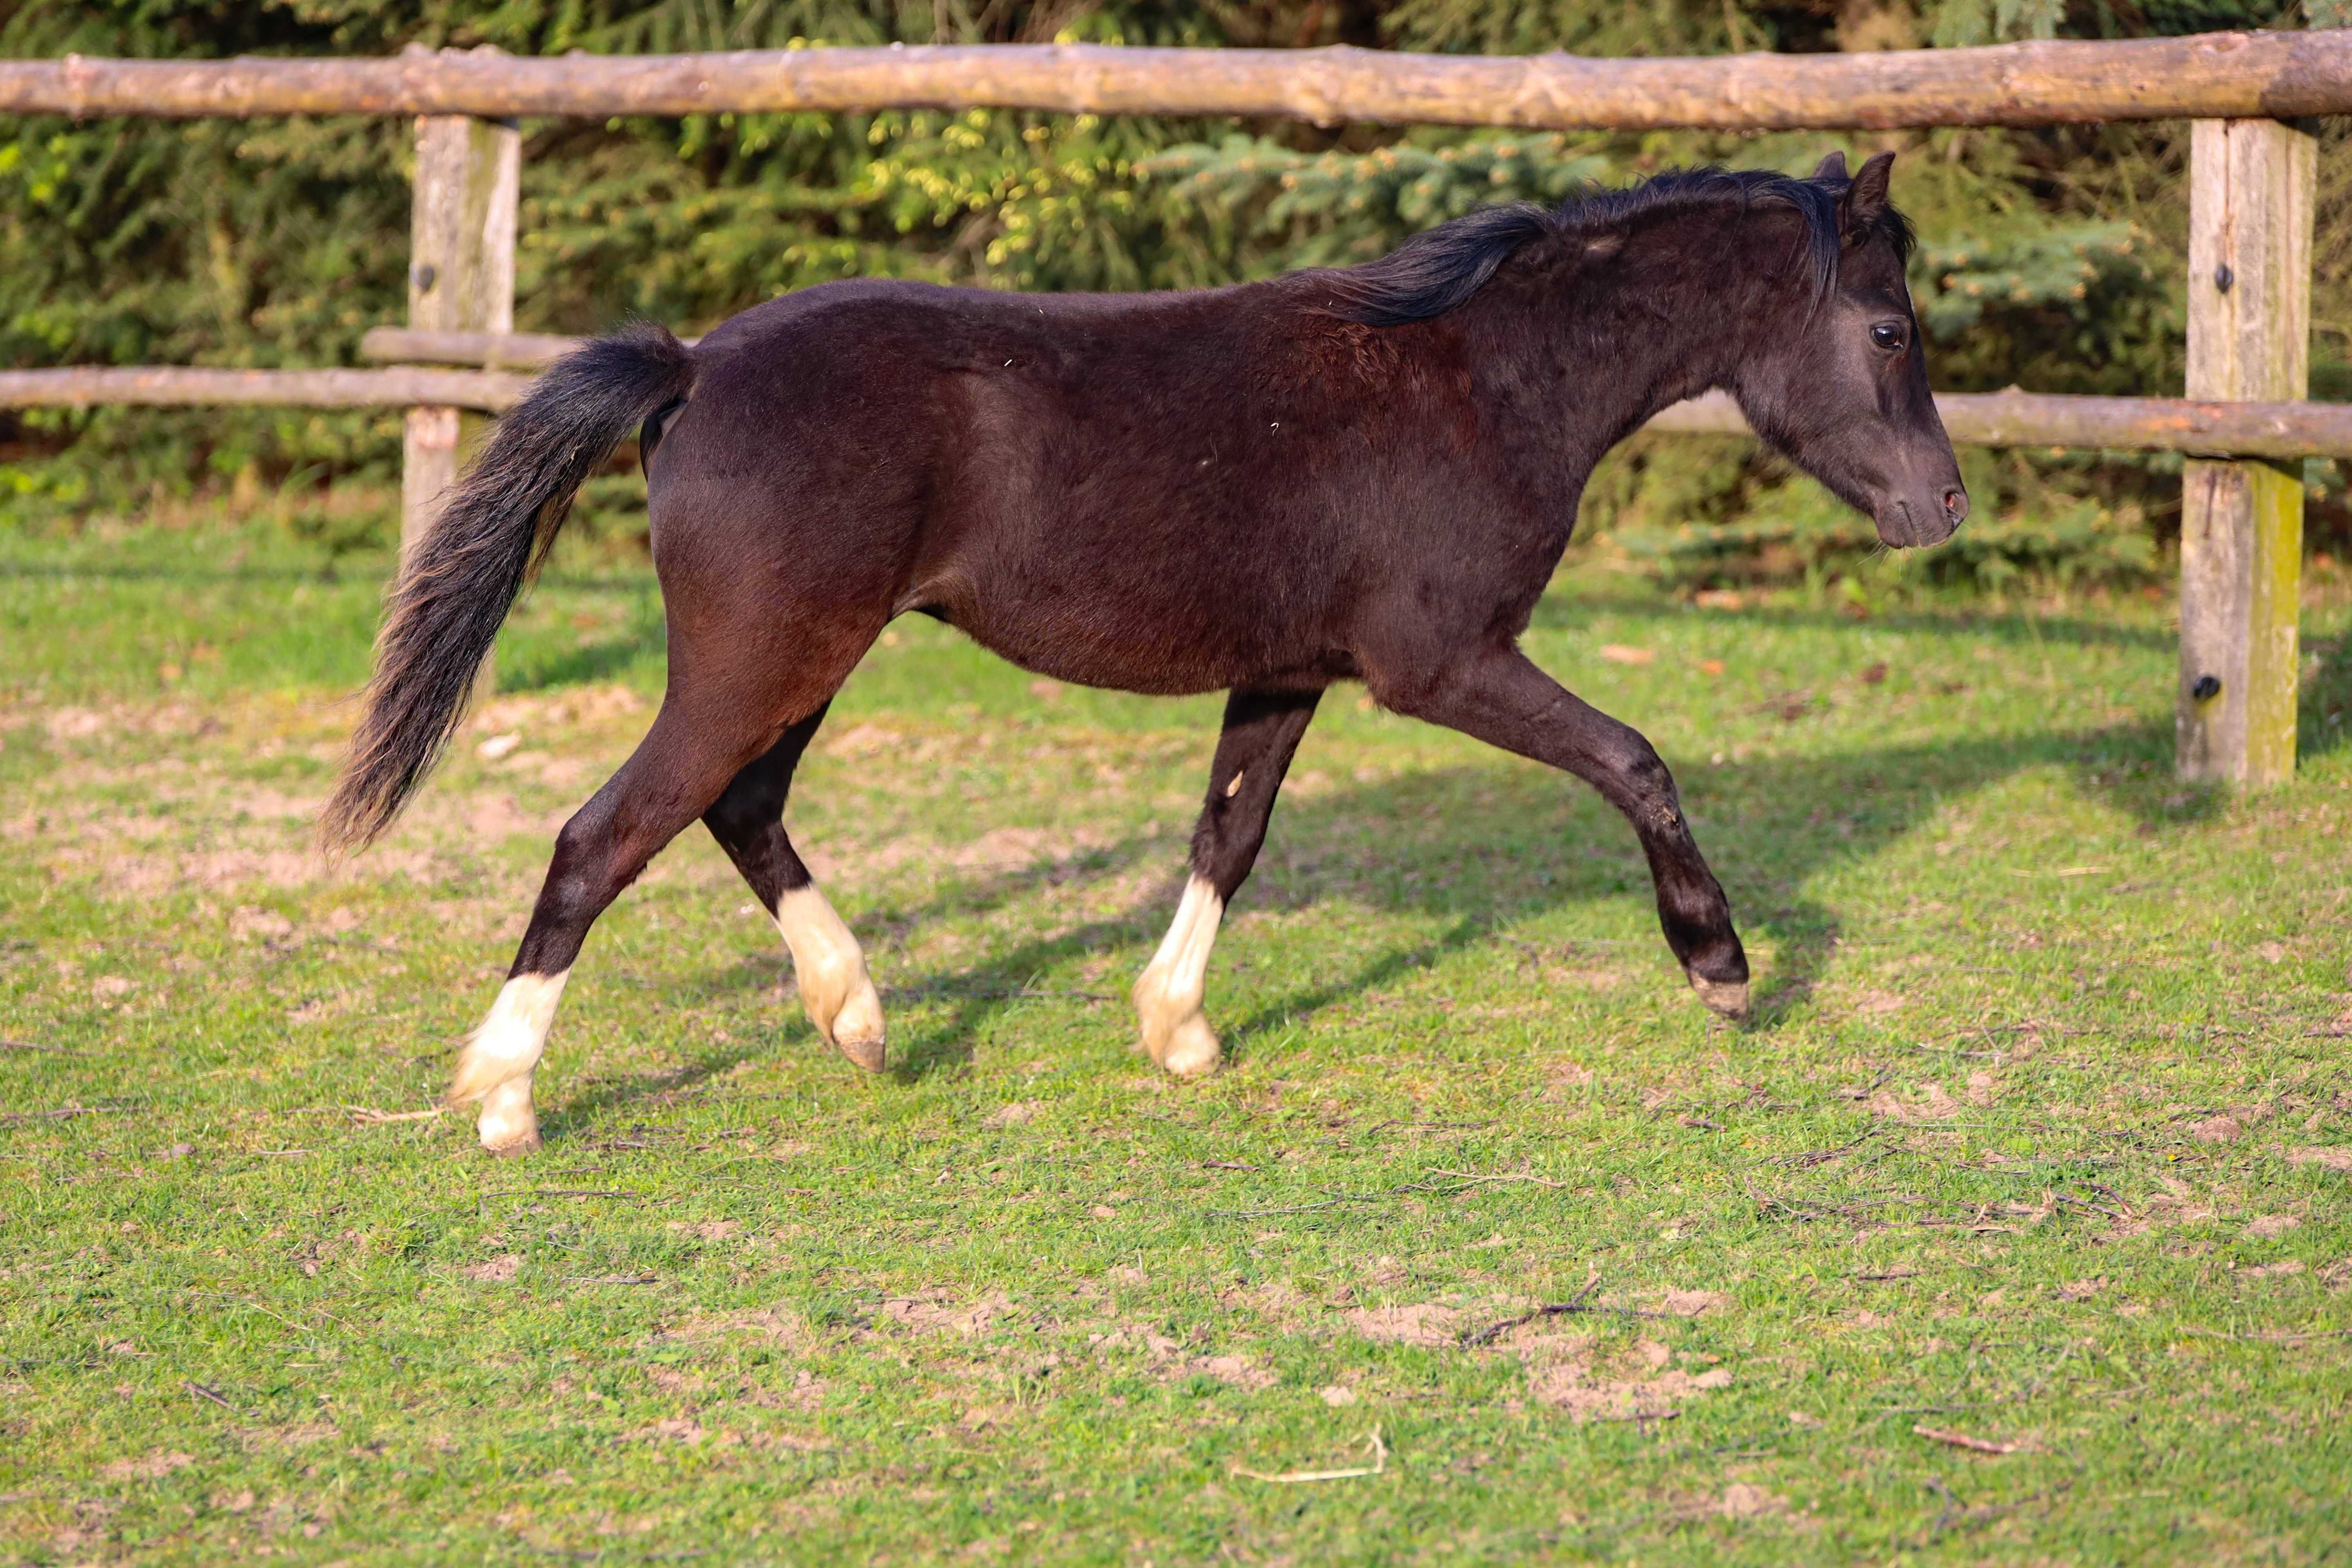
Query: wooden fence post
[
  {"x": 461, "y": 243},
  {"x": 461, "y": 256},
  {"x": 2250, "y": 197}
]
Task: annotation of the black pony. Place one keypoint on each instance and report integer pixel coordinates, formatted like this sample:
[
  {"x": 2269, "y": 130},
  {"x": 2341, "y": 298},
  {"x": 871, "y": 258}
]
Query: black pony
[{"x": 1360, "y": 474}]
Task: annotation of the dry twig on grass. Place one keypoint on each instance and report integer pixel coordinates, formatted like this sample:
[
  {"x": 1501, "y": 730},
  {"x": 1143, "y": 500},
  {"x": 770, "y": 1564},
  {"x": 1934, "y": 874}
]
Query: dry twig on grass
[
  {"x": 369, "y": 1115},
  {"x": 1517, "y": 1176},
  {"x": 199, "y": 1391},
  {"x": 2267, "y": 1336},
  {"x": 1576, "y": 1303},
  {"x": 560, "y": 1192},
  {"x": 1437, "y": 1188},
  {"x": 1642, "y": 1417},
  {"x": 1962, "y": 1440},
  {"x": 14, "y": 1117},
  {"x": 1372, "y": 1444}
]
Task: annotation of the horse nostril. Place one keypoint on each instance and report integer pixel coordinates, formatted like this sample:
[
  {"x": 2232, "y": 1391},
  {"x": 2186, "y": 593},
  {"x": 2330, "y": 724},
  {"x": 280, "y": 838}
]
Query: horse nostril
[{"x": 1956, "y": 506}]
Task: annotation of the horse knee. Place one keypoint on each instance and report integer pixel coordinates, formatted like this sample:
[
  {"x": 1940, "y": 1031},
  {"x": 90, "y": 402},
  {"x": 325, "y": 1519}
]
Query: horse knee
[{"x": 1632, "y": 772}]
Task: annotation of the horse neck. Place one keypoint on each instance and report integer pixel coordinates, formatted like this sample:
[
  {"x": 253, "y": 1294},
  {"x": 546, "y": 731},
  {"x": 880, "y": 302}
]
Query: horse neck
[{"x": 1671, "y": 313}]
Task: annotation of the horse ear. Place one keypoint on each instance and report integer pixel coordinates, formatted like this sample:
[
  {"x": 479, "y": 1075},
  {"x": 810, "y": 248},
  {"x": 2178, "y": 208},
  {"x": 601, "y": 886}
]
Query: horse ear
[
  {"x": 1831, "y": 168},
  {"x": 1866, "y": 199}
]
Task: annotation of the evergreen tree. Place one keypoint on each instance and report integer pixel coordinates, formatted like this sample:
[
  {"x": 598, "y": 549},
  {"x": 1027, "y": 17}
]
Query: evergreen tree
[{"x": 2049, "y": 258}]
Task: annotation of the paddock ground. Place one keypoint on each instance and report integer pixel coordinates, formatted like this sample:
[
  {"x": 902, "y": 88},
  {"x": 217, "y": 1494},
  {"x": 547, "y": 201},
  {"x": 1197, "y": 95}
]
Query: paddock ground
[{"x": 2042, "y": 1139}]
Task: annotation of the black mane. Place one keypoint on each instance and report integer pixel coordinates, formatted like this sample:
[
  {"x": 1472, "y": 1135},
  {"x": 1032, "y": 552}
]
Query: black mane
[{"x": 1439, "y": 270}]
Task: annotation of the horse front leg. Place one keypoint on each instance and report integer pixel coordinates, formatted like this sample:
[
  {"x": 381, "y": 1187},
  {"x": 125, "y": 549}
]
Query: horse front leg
[
  {"x": 1498, "y": 696},
  {"x": 1261, "y": 735}
]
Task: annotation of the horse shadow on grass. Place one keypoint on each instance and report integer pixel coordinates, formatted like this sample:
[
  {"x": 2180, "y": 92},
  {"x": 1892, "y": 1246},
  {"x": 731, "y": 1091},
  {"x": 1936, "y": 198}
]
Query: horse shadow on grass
[{"x": 1487, "y": 847}]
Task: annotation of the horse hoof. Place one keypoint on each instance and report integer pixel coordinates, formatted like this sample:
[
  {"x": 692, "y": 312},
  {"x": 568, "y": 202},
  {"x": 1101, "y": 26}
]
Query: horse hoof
[
  {"x": 1728, "y": 997},
  {"x": 525, "y": 1145},
  {"x": 1191, "y": 1048},
  {"x": 864, "y": 1051}
]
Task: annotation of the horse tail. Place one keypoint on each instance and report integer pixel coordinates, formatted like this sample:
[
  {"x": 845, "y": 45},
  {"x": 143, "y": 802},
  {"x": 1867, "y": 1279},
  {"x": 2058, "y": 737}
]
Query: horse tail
[{"x": 459, "y": 580}]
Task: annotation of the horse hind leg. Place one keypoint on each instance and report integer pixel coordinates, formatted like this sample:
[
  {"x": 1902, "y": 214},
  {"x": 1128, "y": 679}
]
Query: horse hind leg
[
  {"x": 828, "y": 966},
  {"x": 1260, "y": 733},
  {"x": 501, "y": 1055},
  {"x": 680, "y": 767}
]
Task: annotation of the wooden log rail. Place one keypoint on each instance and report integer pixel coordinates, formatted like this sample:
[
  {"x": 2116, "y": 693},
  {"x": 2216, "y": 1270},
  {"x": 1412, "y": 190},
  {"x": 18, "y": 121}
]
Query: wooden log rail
[
  {"x": 2275, "y": 75},
  {"x": 2274, "y": 430},
  {"x": 2279, "y": 430},
  {"x": 1974, "y": 419},
  {"x": 90, "y": 386}
]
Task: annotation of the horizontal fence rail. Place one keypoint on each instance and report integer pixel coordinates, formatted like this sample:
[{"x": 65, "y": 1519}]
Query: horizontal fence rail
[
  {"x": 2279, "y": 75},
  {"x": 2113, "y": 424},
  {"x": 90, "y": 386},
  {"x": 2284, "y": 430},
  {"x": 493, "y": 350}
]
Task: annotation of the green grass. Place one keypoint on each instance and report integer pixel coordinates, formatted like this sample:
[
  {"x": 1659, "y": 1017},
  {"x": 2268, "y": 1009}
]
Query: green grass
[{"x": 2019, "y": 1147}]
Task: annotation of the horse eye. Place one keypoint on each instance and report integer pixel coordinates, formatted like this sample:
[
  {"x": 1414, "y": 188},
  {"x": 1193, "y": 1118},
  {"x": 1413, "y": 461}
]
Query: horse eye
[{"x": 1888, "y": 335}]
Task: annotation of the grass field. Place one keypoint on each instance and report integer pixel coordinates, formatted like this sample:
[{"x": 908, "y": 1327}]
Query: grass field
[{"x": 2042, "y": 1137}]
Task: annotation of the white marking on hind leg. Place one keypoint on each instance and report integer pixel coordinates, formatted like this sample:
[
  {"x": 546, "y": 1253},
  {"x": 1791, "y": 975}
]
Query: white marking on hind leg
[
  {"x": 1168, "y": 994},
  {"x": 831, "y": 970},
  {"x": 499, "y": 1058}
]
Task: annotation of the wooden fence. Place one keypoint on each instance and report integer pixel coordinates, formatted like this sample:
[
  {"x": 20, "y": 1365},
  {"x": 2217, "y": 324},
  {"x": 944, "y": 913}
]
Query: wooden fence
[{"x": 2253, "y": 181}]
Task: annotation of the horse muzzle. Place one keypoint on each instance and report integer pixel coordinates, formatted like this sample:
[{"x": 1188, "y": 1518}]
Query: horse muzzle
[{"x": 1922, "y": 517}]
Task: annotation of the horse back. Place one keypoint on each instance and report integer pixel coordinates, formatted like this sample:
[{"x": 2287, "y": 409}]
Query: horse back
[{"x": 1157, "y": 492}]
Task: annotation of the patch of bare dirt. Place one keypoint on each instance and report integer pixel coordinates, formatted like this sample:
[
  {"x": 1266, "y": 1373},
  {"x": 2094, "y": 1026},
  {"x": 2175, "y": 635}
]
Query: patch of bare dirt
[
  {"x": 1420, "y": 1323},
  {"x": 1017, "y": 848},
  {"x": 863, "y": 741},
  {"x": 1156, "y": 1345},
  {"x": 1928, "y": 1102},
  {"x": 683, "y": 1429},
  {"x": 937, "y": 1311},
  {"x": 147, "y": 1468},
  {"x": 1744, "y": 1500},
  {"x": 302, "y": 1435},
  {"x": 525, "y": 712},
  {"x": 1567, "y": 1372},
  {"x": 1275, "y": 1302},
  {"x": 2222, "y": 1128},
  {"x": 1239, "y": 1371},
  {"x": 497, "y": 1270}
]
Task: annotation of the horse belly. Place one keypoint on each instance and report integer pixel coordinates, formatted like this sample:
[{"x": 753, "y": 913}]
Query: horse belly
[{"x": 1146, "y": 622}]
